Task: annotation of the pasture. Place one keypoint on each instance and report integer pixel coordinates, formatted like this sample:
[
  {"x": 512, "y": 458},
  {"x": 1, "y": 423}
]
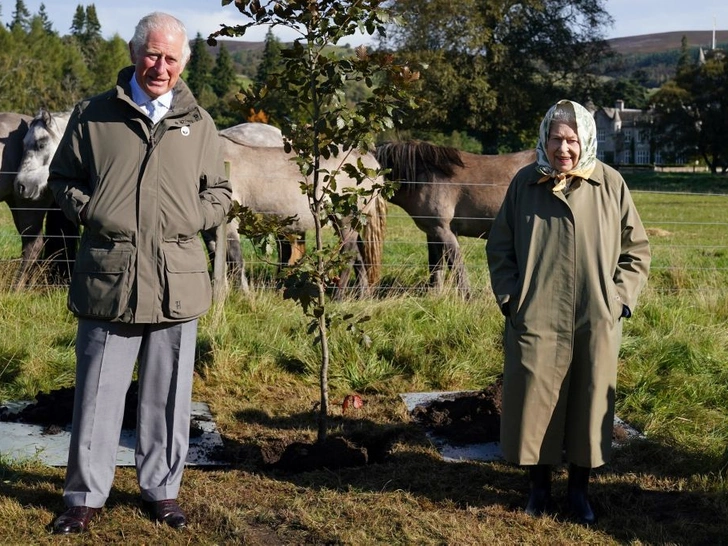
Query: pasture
[{"x": 258, "y": 370}]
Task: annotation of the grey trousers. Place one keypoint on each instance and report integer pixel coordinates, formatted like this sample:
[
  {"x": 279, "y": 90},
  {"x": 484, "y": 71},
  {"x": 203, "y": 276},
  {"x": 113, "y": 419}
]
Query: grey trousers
[{"x": 105, "y": 356}]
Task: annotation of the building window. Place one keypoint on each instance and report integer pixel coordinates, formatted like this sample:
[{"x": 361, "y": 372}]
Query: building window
[
  {"x": 643, "y": 157},
  {"x": 627, "y": 156},
  {"x": 600, "y": 155},
  {"x": 601, "y": 135},
  {"x": 658, "y": 158},
  {"x": 627, "y": 135}
]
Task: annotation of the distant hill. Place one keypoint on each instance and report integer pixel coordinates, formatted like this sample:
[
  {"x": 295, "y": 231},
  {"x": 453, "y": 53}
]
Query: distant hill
[
  {"x": 644, "y": 43},
  {"x": 235, "y": 46},
  {"x": 666, "y": 41},
  {"x": 654, "y": 54}
]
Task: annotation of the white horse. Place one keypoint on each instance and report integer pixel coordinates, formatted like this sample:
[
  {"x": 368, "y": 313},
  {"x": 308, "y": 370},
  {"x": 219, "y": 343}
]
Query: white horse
[
  {"x": 39, "y": 144},
  {"x": 31, "y": 208},
  {"x": 266, "y": 180}
]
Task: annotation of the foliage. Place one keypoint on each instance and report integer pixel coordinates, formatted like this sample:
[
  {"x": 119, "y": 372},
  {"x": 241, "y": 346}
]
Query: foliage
[
  {"x": 629, "y": 90},
  {"x": 38, "y": 68},
  {"x": 43, "y": 16},
  {"x": 21, "y": 17},
  {"x": 495, "y": 71},
  {"x": 78, "y": 22},
  {"x": 110, "y": 56},
  {"x": 274, "y": 103},
  {"x": 199, "y": 72},
  {"x": 223, "y": 73},
  {"x": 321, "y": 124},
  {"x": 262, "y": 230},
  {"x": 692, "y": 112},
  {"x": 460, "y": 140},
  {"x": 270, "y": 64}
]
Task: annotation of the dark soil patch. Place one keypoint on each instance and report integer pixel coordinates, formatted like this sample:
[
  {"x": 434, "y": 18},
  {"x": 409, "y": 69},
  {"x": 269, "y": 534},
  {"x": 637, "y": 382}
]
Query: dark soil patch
[
  {"x": 356, "y": 449},
  {"x": 474, "y": 417},
  {"x": 332, "y": 453},
  {"x": 56, "y": 408},
  {"x": 467, "y": 418},
  {"x": 54, "y": 411}
]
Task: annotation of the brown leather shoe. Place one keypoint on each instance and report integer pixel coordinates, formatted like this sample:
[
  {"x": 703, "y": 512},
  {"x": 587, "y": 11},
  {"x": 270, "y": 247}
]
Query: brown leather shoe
[
  {"x": 166, "y": 511},
  {"x": 74, "y": 520}
]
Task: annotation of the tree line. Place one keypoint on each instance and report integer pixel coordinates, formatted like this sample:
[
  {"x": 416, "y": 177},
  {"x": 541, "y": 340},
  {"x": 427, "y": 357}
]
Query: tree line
[{"x": 487, "y": 78}]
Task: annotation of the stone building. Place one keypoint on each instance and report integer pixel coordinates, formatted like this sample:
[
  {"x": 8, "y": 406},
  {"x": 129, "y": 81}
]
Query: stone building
[{"x": 623, "y": 135}]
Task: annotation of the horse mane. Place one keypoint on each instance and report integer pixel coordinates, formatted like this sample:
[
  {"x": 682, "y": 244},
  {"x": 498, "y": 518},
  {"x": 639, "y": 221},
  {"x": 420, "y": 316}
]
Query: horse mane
[
  {"x": 410, "y": 161},
  {"x": 46, "y": 118}
]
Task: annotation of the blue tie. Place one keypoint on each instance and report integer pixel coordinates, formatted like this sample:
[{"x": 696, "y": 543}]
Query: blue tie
[{"x": 154, "y": 111}]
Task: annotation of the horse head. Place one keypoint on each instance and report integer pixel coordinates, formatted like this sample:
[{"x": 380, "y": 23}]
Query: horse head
[{"x": 40, "y": 143}]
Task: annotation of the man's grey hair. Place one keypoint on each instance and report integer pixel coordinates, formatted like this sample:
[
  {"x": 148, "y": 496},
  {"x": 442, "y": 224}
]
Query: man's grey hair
[{"x": 159, "y": 21}]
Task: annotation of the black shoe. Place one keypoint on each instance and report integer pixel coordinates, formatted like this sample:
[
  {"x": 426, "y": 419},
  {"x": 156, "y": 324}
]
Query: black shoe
[
  {"x": 577, "y": 494},
  {"x": 74, "y": 520},
  {"x": 539, "y": 500},
  {"x": 166, "y": 511}
]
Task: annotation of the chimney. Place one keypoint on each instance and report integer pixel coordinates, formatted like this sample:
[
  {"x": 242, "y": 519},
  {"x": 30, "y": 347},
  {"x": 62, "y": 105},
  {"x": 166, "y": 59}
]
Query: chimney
[{"x": 619, "y": 105}]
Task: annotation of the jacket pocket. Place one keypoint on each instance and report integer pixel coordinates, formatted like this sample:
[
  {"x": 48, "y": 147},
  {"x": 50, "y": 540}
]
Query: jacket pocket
[
  {"x": 614, "y": 301},
  {"x": 101, "y": 280},
  {"x": 187, "y": 291}
]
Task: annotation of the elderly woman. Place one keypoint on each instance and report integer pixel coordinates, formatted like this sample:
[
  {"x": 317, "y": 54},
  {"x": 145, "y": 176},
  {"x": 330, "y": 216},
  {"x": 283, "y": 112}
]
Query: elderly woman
[{"x": 568, "y": 256}]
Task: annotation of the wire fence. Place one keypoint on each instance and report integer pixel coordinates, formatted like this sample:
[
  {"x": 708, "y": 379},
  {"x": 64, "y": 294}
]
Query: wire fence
[{"x": 404, "y": 265}]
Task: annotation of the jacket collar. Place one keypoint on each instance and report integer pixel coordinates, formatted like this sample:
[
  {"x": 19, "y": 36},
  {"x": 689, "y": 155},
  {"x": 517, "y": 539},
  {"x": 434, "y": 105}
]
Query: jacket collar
[{"x": 184, "y": 109}]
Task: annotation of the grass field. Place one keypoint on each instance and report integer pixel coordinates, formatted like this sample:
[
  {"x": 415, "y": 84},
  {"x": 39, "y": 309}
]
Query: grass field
[{"x": 258, "y": 371}]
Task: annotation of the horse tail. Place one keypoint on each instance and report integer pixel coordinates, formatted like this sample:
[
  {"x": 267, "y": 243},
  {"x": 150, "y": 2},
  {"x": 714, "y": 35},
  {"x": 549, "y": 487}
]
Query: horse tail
[{"x": 373, "y": 235}]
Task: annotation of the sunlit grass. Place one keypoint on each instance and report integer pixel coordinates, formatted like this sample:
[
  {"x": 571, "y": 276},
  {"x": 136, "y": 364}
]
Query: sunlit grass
[{"x": 258, "y": 369}]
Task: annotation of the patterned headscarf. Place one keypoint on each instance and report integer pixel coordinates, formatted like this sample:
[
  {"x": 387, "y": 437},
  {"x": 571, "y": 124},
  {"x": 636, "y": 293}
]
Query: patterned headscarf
[{"x": 586, "y": 129}]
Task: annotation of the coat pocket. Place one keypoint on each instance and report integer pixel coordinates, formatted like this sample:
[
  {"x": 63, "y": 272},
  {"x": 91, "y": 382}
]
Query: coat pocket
[
  {"x": 187, "y": 291},
  {"x": 614, "y": 302},
  {"x": 101, "y": 280}
]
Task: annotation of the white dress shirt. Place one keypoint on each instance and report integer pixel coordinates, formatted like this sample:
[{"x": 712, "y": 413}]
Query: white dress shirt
[{"x": 157, "y": 108}]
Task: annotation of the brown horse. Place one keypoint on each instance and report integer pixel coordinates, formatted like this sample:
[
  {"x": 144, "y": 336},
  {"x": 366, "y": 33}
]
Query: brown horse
[{"x": 448, "y": 193}]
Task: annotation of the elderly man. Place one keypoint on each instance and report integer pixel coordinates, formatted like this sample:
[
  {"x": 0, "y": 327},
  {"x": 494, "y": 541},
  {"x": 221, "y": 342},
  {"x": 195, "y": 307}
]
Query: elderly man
[{"x": 140, "y": 169}]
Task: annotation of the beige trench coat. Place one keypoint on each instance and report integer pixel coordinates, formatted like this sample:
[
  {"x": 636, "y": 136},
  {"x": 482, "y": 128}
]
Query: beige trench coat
[{"x": 566, "y": 266}]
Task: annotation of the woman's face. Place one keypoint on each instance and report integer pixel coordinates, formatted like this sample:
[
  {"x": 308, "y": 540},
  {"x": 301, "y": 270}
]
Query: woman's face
[{"x": 563, "y": 146}]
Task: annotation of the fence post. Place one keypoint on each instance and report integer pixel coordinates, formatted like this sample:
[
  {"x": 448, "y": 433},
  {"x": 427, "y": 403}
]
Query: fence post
[{"x": 219, "y": 266}]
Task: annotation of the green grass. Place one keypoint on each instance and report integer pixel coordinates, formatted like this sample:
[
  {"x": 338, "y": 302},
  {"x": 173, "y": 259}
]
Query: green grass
[{"x": 258, "y": 370}]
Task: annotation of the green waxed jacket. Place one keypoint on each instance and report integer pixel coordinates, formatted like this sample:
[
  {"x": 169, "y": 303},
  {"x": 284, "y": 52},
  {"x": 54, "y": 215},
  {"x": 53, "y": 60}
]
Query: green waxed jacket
[{"x": 146, "y": 191}]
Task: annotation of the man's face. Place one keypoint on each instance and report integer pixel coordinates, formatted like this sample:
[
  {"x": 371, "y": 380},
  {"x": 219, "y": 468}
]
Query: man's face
[{"x": 159, "y": 63}]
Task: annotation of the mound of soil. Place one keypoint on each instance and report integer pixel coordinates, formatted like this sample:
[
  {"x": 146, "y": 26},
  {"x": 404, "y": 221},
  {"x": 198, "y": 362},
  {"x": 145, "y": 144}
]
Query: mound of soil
[
  {"x": 467, "y": 418},
  {"x": 54, "y": 411},
  {"x": 474, "y": 417},
  {"x": 56, "y": 408}
]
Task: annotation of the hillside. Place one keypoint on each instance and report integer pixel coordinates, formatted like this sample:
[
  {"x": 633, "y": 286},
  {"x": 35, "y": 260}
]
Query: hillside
[
  {"x": 644, "y": 43},
  {"x": 654, "y": 55},
  {"x": 666, "y": 41}
]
